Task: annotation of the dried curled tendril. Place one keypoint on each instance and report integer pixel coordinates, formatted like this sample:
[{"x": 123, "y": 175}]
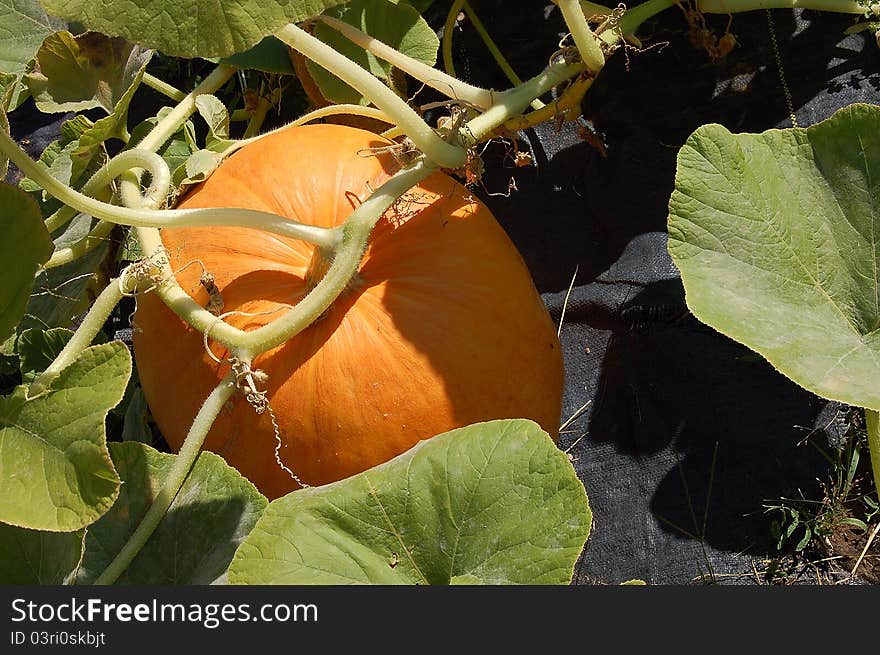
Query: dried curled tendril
[{"x": 246, "y": 382}]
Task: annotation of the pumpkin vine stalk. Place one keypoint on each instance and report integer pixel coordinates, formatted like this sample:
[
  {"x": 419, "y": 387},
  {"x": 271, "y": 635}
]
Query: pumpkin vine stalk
[
  {"x": 446, "y": 44},
  {"x": 183, "y": 463},
  {"x": 586, "y": 42},
  {"x": 448, "y": 85},
  {"x": 94, "y": 320},
  {"x": 143, "y": 217},
  {"x": 247, "y": 345},
  {"x": 445, "y": 154}
]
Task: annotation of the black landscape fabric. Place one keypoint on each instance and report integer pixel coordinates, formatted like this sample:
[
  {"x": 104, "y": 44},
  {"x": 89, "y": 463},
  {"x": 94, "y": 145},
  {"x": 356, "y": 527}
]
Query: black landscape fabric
[
  {"x": 685, "y": 434},
  {"x": 682, "y": 434}
]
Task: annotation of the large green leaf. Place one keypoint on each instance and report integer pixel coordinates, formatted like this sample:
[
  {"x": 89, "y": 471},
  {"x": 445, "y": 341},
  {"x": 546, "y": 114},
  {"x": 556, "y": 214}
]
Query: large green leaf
[
  {"x": 492, "y": 503},
  {"x": 30, "y": 557},
  {"x": 189, "y": 28},
  {"x": 212, "y": 513},
  {"x": 55, "y": 471},
  {"x": 84, "y": 72},
  {"x": 397, "y": 25},
  {"x": 24, "y": 247},
  {"x": 23, "y": 26},
  {"x": 777, "y": 237}
]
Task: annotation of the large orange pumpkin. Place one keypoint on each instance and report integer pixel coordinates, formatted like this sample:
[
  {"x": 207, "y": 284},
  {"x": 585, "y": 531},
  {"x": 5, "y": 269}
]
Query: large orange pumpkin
[{"x": 442, "y": 327}]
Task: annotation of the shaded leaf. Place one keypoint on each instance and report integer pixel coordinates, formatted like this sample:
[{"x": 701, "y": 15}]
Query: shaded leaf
[
  {"x": 777, "y": 236},
  {"x": 25, "y": 246},
  {"x": 189, "y": 28},
  {"x": 212, "y": 513},
  {"x": 34, "y": 557},
  {"x": 39, "y": 348},
  {"x": 84, "y": 72},
  {"x": 269, "y": 55},
  {"x": 55, "y": 471},
  {"x": 61, "y": 293},
  {"x": 397, "y": 25},
  {"x": 112, "y": 126},
  {"x": 135, "y": 426},
  {"x": 492, "y": 503}
]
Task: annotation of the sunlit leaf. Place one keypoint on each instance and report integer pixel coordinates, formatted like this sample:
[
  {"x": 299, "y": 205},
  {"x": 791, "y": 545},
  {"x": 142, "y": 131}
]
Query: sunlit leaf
[
  {"x": 492, "y": 503},
  {"x": 55, "y": 471},
  {"x": 189, "y": 28},
  {"x": 777, "y": 237},
  {"x": 217, "y": 117},
  {"x": 23, "y": 26}
]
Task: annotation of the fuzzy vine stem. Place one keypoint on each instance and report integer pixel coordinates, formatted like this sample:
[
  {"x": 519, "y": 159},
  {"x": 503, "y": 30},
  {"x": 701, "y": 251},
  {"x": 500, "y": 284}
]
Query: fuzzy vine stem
[
  {"x": 495, "y": 51},
  {"x": 426, "y": 139},
  {"x": 872, "y": 422},
  {"x": 514, "y": 101},
  {"x": 446, "y": 45},
  {"x": 99, "y": 184},
  {"x": 317, "y": 114},
  {"x": 436, "y": 79},
  {"x": 163, "y": 87},
  {"x": 255, "y": 123},
  {"x": 183, "y": 463},
  {"x": 94, "y": 320},
  {"x": 448, "y": 30},
  {"x": 355, "y": 233},
  {"x": 142, "y": 217},
  {"x": 586, "y": 42}
]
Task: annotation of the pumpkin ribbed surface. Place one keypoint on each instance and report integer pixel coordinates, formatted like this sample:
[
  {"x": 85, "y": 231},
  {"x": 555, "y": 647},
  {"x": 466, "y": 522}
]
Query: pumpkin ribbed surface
[{"x": 442, "y": 327}]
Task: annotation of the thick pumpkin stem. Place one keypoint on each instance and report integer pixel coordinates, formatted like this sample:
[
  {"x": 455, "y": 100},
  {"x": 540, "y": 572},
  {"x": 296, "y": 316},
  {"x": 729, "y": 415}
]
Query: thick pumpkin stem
[
  {"x": 428, "y": 141},
  {"x": 319, "y": 264}
]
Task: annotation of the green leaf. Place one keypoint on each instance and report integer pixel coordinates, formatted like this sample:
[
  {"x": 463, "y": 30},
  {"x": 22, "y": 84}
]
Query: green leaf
[
  {"x": 198, "y": 167},
  {"x": 189, "y": 28},
  {"x": 269, "y": 55},
  {"x": 492, "y": 503},
  {"x": 194, "y": 543},
  {"x": 13, "y": 91},
  {"x": 217, "y": 117},
  {"x": 84, "y": 72},
  {"x": 397, "y": 25},
  {"x": 39, "y": 348},
  {"x": 113, "y": 125},
  {"x": 55, "y": 471},
  {"x": 777, "y": 237},
  {"x": 34, "y": 557},
  {"x": 135, "y": 426},
  {"x": 25, "y": 246},
  {"x": 61, "y": 293},
  {"x": 23, "y": 26}
]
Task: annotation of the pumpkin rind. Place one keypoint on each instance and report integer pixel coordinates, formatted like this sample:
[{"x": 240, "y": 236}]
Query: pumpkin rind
[{"x": 441, "y": 328}]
